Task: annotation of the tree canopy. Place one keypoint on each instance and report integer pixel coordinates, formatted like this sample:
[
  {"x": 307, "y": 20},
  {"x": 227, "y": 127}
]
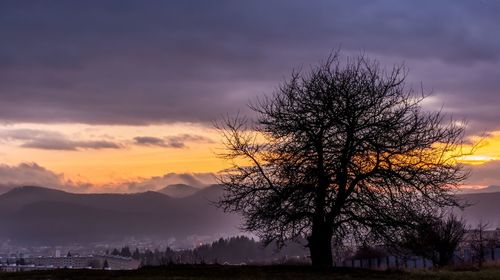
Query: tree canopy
[{"x": 345, "y": 150}]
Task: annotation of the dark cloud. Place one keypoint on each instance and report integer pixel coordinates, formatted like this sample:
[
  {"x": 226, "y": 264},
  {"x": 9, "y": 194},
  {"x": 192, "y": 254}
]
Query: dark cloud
[
  {"x": 176, "y": 141},
  {"x": 141, "y": 62},
  {"x": 69, "y": 145},
  {"x": 49, "y": 140},
  {"x": 149, "y": 141}
]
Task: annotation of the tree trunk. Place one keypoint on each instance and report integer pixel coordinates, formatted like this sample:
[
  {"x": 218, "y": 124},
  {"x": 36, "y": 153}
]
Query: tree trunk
[{"x": 320, "y": 245}]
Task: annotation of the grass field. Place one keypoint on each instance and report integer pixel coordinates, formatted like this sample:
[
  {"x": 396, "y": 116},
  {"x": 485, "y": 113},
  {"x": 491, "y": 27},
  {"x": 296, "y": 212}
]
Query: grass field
[{"x": 251, "y": 272}]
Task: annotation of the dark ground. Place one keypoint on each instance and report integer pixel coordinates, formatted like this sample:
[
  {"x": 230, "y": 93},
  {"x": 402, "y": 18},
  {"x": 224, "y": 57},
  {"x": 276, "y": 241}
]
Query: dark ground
[{"x": 251, "y": 272}]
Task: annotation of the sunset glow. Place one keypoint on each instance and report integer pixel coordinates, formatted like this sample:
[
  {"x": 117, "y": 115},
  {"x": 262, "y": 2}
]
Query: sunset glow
[{"x": 129, "y": 161}]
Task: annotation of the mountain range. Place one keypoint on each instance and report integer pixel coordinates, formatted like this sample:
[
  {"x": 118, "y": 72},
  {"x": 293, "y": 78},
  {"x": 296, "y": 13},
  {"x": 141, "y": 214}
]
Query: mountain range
[
  {"x": 37, "y": 215},
  {"x": 178, "y": 190},
  {"x": 482, "y": 208}
]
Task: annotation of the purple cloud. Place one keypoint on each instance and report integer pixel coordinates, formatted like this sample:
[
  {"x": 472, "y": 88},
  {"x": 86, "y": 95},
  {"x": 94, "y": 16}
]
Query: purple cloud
[
  {"x": 136, "y": 62},
  {"x": 50, "y": 140},
  {"x": 176, "y": 141}
]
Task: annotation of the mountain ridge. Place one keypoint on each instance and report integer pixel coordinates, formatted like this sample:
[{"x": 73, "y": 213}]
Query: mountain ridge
[
  {"x": 39, "y": 215},
  {"x": 178, "y": 190}
]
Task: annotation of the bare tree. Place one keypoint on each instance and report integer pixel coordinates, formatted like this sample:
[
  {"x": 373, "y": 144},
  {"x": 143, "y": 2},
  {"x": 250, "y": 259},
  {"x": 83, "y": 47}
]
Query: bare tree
[
  {"x": 436, "y": 238},
  {"x": 345, "y": 150},
  {"x": 480, "y": 240}
]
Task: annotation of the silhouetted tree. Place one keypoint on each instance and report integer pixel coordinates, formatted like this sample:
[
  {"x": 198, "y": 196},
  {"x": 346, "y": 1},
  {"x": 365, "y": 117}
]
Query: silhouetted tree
[
  {"x": 136, "y": 255},
  {"x": 367, "y": 252},
  {"x": 435, "y": 238},
  {"x": 105, "y": 264},
  {"x": 234, "y": 250},
  {"x": 344, "y": 150},
  {"x": 115, "y": 252},
  {"x": 125, "y": 252},
  {"x": 20, "y": 261},
  {"x": 94, "y": 263},
  {"x": 479, "y": 242}
]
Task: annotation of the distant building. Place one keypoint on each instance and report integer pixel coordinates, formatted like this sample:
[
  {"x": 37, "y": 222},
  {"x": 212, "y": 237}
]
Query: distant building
[{"x": 92, "y": 261}]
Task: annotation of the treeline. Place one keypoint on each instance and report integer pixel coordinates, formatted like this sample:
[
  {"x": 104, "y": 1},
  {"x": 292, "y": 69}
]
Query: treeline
[{"x": 235, "y": 250}]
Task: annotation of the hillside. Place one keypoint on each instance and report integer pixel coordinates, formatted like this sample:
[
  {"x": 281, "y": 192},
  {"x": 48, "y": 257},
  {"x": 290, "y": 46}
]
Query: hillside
[
  {"x": 488, "y": 189},
  {"x": 178, "y": 190},
  {"x": 35, "y": 215},
  {"x": 483, "y": 207}
]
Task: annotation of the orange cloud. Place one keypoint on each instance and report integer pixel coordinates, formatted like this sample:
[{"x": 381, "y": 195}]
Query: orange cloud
[{"x": 82, "y": 156}]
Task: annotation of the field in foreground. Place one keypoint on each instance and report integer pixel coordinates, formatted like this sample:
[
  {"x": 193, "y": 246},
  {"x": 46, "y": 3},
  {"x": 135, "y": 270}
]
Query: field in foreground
[{"x": 250, "y": 272}]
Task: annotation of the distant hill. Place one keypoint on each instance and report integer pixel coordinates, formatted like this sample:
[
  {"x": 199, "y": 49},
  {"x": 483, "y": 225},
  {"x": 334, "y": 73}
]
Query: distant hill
[
  {"x": 36, "y": 215},
  {"x": 4, "y": 189},
  {"x": 488, "y": 189},
  {"x": 178, "y": 190},
  {"x": 210, "y": 193},
  {"x": 483, "y": 207}
]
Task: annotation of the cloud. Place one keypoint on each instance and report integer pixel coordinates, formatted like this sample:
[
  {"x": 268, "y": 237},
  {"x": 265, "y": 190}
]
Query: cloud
[
  {"x": 50, "y": 140},
  {"x": 69, "y": 145},
  {"x": 486, "y": 174},
  {"x": 136, "y": 62},
  {"x": 149, "y": 141},
  {"x": 32, "y": 174},
  {"x": 28, "y": 174},
  {"x": 28, "y": 134},
  {"x": 176, "y": 141},
  {"x": 157, "y": 182}
]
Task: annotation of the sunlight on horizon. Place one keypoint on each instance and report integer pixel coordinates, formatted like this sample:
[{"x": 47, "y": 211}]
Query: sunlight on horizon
[
  {"x": 133, "y": 162},
  {"x": 115, "y": 165}
]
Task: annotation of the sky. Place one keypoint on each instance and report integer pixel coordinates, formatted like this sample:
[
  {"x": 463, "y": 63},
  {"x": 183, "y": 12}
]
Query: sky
[{"x": 120, "y": 96}]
